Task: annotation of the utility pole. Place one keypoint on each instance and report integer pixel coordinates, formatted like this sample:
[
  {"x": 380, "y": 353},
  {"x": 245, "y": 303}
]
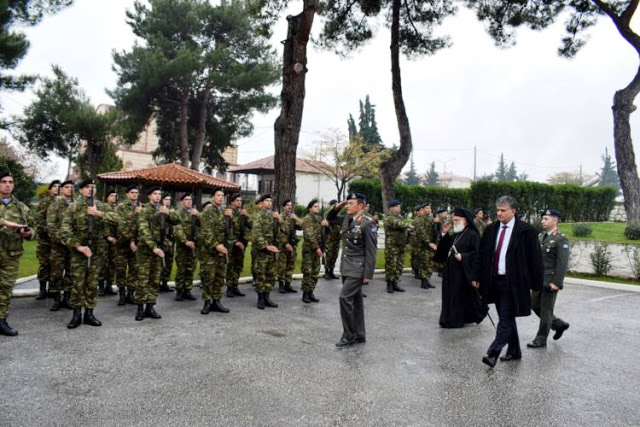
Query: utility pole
[{"x": 474, "y": 161}]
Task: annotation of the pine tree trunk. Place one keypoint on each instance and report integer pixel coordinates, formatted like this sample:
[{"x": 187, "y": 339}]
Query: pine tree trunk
[
  {"x": 183, "y": 130},
  {"x": 196, "y": 154},
  {"x": 390, "y": 169},
  {"x": 625, "y": 156},
  {"x": 287, "y": 125}
]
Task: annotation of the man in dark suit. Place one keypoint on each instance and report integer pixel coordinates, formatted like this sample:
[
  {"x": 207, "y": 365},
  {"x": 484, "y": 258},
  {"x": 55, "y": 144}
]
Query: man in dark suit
[{"x": 510, "y": 268}]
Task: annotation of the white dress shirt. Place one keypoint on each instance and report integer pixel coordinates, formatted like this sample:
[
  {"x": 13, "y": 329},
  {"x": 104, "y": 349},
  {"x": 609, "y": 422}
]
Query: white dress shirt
[{"x": 502, "y": 261}]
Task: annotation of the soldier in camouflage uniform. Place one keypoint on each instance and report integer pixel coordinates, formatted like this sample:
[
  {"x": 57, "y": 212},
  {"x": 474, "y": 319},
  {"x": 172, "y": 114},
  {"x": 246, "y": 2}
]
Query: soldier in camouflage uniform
[
  {"x": 43, "y": 252},
  {"x": 14, "y": 220},
  {"x": 415, "y": 247},
  {"x": 287, "y": 240},
  {"x": 60, "y": 255},
  {"x": 186, "y": 232},
  {"x": 127, "y": 245},
  {"x": 213, "y": 252},
  {"x": 332, "y": 246},
  {"x": 240, "y": 222},
  {"x": 254, "y": 251},
  {"x": 396, "y": 230},
  {"x": 82, "y": 230},
  {"x": 478, "y": 220},
  {"x": 169, "y": 248},
  {"x": 425, "y": 247},
  {"x": 108, "y": 271},
  {"x": 150, "y": 254},
  {"x": 266, "y": 225},
  {"x": 312, "y": 227}
]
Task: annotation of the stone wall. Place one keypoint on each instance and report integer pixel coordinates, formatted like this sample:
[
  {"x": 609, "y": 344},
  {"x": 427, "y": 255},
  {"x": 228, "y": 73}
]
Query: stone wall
[
  {"x": 622, "y": 257},
  {"x": 618, "y": 214}
]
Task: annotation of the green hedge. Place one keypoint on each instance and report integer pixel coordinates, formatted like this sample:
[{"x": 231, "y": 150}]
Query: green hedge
[{"x": 579, "y": 204}]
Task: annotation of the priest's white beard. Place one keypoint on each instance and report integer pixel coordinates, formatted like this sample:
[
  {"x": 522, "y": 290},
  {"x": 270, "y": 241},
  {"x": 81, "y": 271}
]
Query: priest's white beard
[{"x": 457, "y": 227}]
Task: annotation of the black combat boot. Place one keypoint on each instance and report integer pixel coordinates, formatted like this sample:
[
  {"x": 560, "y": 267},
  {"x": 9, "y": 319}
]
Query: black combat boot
[
  {"x": 260, "y": 300},
  {"x": 108, "y": 288},
  {"x": 236, "y": 291},
  {"x": 76, "y": 320},
  {"x": 329, "y": 274},
  {"x": 130, "y": 296},
  {"x": 164, "y": 287},
  {"x": 217, "y": 306},
  {"x": 312, "y": 297},
  {"x": 43, "y": 290},
  {"x": 305, "y": 297},
  {"x": 150, "y": 312},
  {"x": 425, "y": 284},
  {"x": 140, "y": 312},
  {"x": 397, "y": 288},
  {"x": 288, "y": 288},
  {"x": 7, "y": 330},
  {"x": 389, "y": 286},
  {"x": 267, "y": 300},
  {"x": 187, "y": 295},
  {"x": 179, "y": 295},
  {"x": 281, "y": 287},
  {"x": 122, "y": 300},
  {"x": 230, "y": 293},
  {"x": 101, "y": 288},
  {"x": 56, "y": 302},
  {"x": 254, "y": 280},
  {"x": 207, "y": 308},
  {"x": 90, "y": 319},
  {"x": 65, "y": 303}
]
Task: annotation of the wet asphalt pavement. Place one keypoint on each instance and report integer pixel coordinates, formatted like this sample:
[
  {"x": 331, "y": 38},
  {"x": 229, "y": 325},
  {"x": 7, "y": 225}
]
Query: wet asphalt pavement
[{"x": 280, "y": 366}]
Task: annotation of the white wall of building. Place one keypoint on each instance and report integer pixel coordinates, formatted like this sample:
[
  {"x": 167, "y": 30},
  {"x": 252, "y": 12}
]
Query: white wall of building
[{"x": 314, "y": 186}]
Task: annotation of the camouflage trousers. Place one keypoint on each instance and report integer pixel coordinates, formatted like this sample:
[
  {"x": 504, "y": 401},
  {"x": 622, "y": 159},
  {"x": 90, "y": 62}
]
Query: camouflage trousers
[
  {"x": 236, "y": 264},
  {"x": 424, "y": 262},
  {"x": 286, "y": 264},
  {"x": 333, "y": 247},
  {"x": 266, "y": 264},
  {"x": 149, "y": 270},
  {"x": 84, "y": 292},
  {"x": 126, "y": 270},
  {"x": 169, "y": 254},
  {"x": 394, "y": 262},
  {"x": 310, "y": 270},
  {"x": 60, "y": 268},
  {"x": 254, "y": 261},
  {"x": 8, "y": 274},
  {"x": 43, "y": 253},
  {"x": 185, "y": 265},
  {"x": 415, "y": 256},
  {"x": 108, "y": 270},
  {"x": 213, "y": 271}
]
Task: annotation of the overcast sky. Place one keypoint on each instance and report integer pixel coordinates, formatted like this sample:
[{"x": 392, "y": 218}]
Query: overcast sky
[{"x": 545, "y": 113}]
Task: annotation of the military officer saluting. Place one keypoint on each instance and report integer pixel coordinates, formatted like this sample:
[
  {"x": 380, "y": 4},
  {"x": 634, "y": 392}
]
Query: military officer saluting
[
  {"x": 359, "y": 246},
  {"x": 555, "y": 258},
  {"x": 14, "y": 220},
  {"x": 332, "y": 246}
]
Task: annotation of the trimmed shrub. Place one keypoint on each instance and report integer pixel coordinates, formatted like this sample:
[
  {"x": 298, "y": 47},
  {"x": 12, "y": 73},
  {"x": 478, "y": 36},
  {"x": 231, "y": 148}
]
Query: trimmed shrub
[
  {"x": 601, "y": 260},
  {"x": 581, "y": 230},
  {"x": 632, "y": 232}
]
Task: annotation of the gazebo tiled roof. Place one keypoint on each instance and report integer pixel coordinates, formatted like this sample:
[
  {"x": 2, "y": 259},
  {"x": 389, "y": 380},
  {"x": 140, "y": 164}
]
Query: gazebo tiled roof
[
  {"x": 265, "y": 166},
  {"x": 171, "y": 176}
]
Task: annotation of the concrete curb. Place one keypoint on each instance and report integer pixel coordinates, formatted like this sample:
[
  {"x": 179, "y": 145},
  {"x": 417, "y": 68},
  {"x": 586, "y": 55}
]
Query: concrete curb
[{"x": 599, "y": 284}]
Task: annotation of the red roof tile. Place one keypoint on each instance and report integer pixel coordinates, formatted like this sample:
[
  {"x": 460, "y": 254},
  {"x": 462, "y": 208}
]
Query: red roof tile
[{"x": 265, "y": 166}]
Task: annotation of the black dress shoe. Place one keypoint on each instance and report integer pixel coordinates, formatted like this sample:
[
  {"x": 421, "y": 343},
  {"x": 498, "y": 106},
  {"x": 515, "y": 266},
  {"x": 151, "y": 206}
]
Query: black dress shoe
[
  {"x": 559, "y": 332},
  {"x": 7, "y": 330},
  {"x": 490, "y": 360},
  {"x": 345, "y": 343},
  {"x": 361, "y": 340},
  {"x": 509, "y": 357},
  {"x": 536, "y": 344}
]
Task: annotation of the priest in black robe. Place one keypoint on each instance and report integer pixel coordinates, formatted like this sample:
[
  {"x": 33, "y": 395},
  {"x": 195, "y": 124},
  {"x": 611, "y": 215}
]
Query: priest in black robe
[{"x": 461, "y": 302}]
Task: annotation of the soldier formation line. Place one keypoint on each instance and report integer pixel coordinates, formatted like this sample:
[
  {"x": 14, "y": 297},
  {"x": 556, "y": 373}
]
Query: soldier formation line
[{"x": 86, "y": 246}]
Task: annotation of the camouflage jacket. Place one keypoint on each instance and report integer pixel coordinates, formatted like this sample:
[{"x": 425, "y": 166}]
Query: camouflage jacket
[
  {"x": 111, "y": 228},
  {"x": 239, "y": 227},
  {"x": 288, "y": 228},
  {"x": 55, "y": 213},
  {"x": 10, "y": 239},
  {"x": 311, "y": 231},
  {"x": 480, "y": 225},
  {"x": 263, "y": 230},
  {"x": 75, "y": 225},
  {"x": 128, "y": 222},
  {"x": 40, "y": 218},
  {"x": 149, "y": 226},
  {"x": 184, "y": 231},
  {"x": 424, "y": 231},
  {"x": 395, "y": 229},
  {"x": 212, "y": 231}
]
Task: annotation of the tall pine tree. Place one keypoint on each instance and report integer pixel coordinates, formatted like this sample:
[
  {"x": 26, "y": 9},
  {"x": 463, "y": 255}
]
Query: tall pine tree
[
  {"x": 608, "y": 173},
  {"x": 501, "y": 172},
  {"x": 432, "y": 175},
  {"x": 412, "y": 177}
]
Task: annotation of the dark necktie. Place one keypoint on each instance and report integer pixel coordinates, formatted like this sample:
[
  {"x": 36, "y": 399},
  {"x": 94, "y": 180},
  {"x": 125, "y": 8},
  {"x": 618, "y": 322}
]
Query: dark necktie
[{"x": 496, "y": 258}]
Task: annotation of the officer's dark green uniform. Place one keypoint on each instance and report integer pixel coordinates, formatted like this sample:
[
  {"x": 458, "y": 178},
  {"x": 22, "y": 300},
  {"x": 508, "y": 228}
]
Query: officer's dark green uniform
[
  {"x": 312, "y": 231},
  {"x": 43, "y": 252},
  {"x": 332, "y": 246},
  {"x": 555, "y": 258},
  {"x": 185, "y": 231},
  {"x": 396, "y": 230},
  {"x": 11, "y": 209},
  {"x": 264, "y": 234}
]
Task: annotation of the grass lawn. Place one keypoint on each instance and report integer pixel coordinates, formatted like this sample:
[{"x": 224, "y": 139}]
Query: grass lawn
[{"x": 610, "y": 232}]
